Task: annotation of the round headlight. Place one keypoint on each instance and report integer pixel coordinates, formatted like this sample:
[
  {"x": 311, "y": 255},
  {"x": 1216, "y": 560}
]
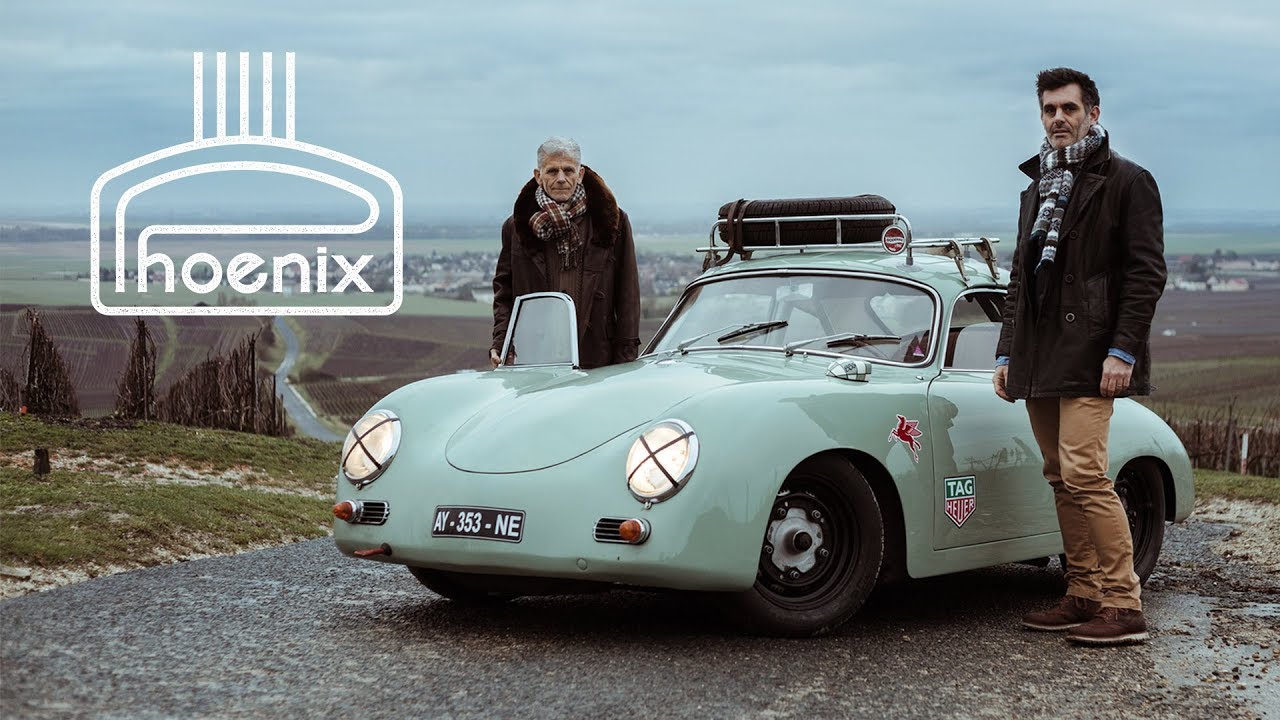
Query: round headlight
[
  {"x": 370, "y": 446},
  {"x": 661, "y": 460}
]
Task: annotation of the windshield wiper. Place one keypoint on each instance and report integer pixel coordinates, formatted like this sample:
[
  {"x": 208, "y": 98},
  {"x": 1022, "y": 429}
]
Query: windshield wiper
[
  {"x": 736, "y": 330},
  {"x": 758, "y": 327},
  {"x": 860, "y": 339},
  {"x": 683, "y": 344},
  {"x": 840, "y": 339}
]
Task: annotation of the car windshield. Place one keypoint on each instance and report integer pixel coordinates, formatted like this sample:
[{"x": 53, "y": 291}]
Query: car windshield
[{"x": 873, "y": 318}]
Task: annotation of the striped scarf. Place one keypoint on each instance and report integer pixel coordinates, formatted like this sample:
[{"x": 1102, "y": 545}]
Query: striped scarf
[
  {"x": 556, "y": 221},
  {"x": 1056, "y": 179}
]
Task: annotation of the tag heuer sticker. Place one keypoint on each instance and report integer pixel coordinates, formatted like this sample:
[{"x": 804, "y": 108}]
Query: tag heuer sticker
[
  {"x": 961, "y": 500},
  {"x": 906, "y": 433}
]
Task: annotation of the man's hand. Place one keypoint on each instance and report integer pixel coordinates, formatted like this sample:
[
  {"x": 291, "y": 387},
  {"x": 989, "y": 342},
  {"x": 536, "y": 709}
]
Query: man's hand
[
  {"x": 1115, "y": 377},
  {"x": 999, "y": 379},
  {"x": 495, "y": 362}
]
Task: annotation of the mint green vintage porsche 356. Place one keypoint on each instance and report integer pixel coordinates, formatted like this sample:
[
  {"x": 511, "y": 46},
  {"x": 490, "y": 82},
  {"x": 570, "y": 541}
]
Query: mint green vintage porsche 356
[{"x": 816, "y": 415}]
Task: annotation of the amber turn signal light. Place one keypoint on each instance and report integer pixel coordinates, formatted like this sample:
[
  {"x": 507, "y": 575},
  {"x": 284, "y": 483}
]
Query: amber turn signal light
[
  {"x": 345, "y": 510},
  {"x": 634, "y": 531}
]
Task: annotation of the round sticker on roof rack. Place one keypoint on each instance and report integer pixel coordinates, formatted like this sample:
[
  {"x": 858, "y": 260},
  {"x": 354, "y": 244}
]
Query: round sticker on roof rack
[{"x": 894, "y": 239}]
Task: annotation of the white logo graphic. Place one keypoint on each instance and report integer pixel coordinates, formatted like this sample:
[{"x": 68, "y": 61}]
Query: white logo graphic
[{"x": 242, "y": 271}]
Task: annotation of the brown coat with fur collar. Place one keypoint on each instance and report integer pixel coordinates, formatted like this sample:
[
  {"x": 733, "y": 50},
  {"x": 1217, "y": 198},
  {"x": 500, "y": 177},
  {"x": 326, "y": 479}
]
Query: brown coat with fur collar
[{"x": 609, "y": 309}]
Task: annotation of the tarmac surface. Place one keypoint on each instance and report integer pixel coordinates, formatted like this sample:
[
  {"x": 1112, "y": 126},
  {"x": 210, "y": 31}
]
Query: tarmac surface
[{"x": 301, "y": 631}]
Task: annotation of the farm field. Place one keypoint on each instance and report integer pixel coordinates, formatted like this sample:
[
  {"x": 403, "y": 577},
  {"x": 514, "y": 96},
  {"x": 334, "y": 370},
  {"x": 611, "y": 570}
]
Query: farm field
[
  {"x": 95, "y": 347},
  {"x": 64, "y": 292},
  {"x": 1243, "y": 387}
]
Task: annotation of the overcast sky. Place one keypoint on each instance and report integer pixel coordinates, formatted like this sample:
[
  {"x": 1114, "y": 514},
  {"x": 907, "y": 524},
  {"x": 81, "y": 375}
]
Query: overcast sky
[{"x": 680, "y": 106}]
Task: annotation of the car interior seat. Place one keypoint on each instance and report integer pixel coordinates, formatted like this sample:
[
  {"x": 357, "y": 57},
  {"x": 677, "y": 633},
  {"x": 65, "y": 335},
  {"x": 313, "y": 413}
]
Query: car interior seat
[{"x": 974, "y": 347}]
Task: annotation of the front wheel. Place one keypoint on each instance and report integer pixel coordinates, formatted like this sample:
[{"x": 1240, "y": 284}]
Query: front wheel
[
  {"x": 821, "y": 554},
  {"x": 1141, "y": 491}
]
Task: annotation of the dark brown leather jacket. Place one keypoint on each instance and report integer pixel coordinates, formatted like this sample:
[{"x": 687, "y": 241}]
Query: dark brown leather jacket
[
  {"x": 1100, "y": 292},
  {"x": 609, "y": 309}
]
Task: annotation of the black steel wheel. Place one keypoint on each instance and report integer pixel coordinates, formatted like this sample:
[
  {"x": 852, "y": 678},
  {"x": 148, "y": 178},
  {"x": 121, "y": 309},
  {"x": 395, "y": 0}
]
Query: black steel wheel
[
  {"x": 1141, "y": 491},
  {"x": 821, "y": 553},
  {"x": 458, "y": 588}
]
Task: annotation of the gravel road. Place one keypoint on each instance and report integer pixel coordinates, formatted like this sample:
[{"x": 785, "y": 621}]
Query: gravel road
[
  {"x": 300, "y": 631},
  {"x": 301, "y": 413}
]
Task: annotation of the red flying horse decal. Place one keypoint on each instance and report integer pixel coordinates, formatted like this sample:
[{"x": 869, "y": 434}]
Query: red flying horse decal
[{"x": 906, "y": 432}]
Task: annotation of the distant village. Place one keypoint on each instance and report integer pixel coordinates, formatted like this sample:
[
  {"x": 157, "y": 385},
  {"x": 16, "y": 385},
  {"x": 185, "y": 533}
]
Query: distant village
[
  {"x": 457, "y": 276},
  {"x": 469, "y": 275},
  {"x": 1219, "y": 272}
]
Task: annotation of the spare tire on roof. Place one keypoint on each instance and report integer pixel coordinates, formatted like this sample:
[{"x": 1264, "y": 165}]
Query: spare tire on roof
[{"x": 815, "y": 232}]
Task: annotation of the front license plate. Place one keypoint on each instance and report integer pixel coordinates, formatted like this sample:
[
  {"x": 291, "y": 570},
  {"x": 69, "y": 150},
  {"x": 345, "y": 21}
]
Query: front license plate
[{"x": 478, "y": 522}]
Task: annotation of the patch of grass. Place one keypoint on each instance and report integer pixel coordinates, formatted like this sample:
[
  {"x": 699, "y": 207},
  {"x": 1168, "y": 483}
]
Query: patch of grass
[
  {"x": 297, "y": 462},
  {"x": 1216, "y": 483},
  {"x": 165, "y": 337},
  {"x": 78, "y": 518}
]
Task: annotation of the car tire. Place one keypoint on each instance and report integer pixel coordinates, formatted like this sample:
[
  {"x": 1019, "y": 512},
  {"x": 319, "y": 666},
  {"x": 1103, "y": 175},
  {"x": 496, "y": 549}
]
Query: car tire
[
  {"x": 794, "y": 602},
  {"x": 816, "y": 232},
  {"x": 458, "y": 588},
  {"x": 1141, "y": 490}
]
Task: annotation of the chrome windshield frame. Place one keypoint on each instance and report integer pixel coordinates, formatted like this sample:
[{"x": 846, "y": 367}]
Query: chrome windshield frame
[{"x": 929, "y": 290}]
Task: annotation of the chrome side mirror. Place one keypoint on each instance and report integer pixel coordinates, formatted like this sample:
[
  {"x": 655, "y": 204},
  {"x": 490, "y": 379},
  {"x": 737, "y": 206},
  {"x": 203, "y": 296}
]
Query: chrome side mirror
[{"x": 855, "y": 369}]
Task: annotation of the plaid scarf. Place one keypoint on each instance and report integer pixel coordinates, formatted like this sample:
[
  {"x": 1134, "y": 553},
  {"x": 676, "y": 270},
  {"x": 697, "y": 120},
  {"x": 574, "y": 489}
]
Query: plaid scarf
[
  {"x": 555, "y": 221},
  {"x": 1056, "y": 179}
]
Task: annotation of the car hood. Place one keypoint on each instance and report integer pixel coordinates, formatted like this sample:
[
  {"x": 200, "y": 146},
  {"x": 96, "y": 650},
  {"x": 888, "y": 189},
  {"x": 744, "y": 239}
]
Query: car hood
[{"x": 551, "y": 421}]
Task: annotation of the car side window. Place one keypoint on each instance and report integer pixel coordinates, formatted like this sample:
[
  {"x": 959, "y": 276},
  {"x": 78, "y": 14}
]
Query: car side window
[{"x": 974, "y": 331}]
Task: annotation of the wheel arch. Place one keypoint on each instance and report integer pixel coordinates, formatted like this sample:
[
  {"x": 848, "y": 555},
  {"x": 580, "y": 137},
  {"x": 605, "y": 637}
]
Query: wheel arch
[
  {"x": 894, "y": 564},
  {"x": 1155, "y": 464}
]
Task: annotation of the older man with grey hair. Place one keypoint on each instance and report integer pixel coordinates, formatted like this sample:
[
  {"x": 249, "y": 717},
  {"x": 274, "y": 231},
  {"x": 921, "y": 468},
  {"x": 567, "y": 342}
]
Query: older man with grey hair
[{"x": 567, "y": 234}]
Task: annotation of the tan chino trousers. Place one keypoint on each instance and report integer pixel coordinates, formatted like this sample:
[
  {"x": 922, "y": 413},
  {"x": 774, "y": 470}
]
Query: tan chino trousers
[{"x": 1072, "y": 434}]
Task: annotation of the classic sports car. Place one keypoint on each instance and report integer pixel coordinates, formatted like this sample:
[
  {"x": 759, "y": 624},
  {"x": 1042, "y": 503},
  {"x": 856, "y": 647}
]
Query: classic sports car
[{"x": 810, "y": 420}]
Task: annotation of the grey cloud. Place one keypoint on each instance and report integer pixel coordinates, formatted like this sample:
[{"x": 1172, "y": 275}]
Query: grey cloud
[{"x": 679, "y": 104}]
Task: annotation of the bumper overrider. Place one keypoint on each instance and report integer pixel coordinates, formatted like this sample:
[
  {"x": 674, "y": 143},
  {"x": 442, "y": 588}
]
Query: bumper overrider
[{"x": 577, "y": 520}]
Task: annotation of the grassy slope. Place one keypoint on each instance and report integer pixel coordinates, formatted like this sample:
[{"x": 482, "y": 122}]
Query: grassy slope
[
  {"x": 285, "y": 462},
  {"x": 1215, "y": 483},
  {"x": 106, "y": 511}
]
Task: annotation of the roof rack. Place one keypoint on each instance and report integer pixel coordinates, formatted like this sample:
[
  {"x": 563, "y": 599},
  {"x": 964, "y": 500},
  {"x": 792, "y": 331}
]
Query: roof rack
[{"x": 954, "y": 247}]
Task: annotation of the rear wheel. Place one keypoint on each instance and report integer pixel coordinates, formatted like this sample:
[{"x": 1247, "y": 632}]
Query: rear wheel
[
  {"x": 821, "y": 553},
  {"x": 1141, "y": 491},
  {"x": 459, "y": 588}
]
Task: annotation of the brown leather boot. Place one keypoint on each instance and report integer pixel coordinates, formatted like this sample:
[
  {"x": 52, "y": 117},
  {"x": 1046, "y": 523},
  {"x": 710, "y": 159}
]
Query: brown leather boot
[
  {"x": 1111, "y": 626},
  {"x": 1070, "y": 612}
]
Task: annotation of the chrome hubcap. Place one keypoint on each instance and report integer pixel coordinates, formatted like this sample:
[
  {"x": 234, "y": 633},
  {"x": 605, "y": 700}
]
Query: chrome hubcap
[{"x": 796, "y": 540}]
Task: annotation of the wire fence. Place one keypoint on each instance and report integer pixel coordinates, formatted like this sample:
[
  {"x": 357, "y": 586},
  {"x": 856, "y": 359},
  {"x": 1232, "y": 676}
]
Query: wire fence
[
  {"x": 135, "y": 393},
  {"x": 228, "y": 392},
  {"x": 47, "y": 388},
  {"x": 1215, "y": 440}
]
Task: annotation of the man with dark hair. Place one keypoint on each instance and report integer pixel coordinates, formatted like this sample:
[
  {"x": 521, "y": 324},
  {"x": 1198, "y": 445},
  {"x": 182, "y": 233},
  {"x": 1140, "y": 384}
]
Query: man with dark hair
[
  {"x": 567, "y": 234},
  {"x": 1087, "y": 273}
]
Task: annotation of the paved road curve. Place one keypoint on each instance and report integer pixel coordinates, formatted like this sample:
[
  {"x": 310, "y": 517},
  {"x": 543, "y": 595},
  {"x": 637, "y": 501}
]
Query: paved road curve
[
  {"x": 303, "y": 417},
  {"x": 300, "y": 631}
]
